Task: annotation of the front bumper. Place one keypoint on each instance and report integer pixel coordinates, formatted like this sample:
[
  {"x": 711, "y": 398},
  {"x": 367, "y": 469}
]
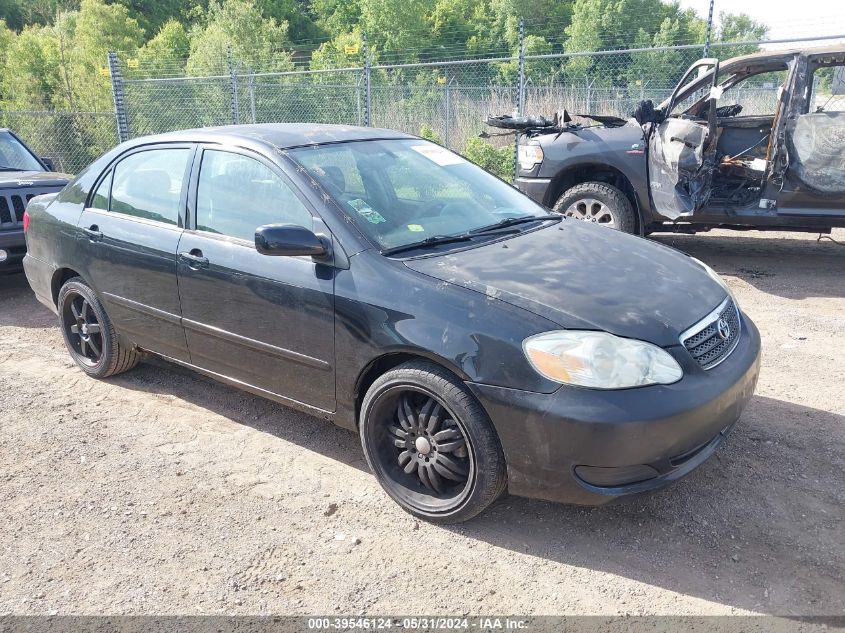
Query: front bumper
[
  {"x": 647, "y": 437},
  {"x": 535, "y": 188},
  {"x": 14, "y": 244}
]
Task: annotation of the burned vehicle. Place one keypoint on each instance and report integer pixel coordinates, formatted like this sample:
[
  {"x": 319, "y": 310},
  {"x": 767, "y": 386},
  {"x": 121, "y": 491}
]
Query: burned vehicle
[
  {"x": 754, "y": 142},
  {"x": 23, "y": 175}
]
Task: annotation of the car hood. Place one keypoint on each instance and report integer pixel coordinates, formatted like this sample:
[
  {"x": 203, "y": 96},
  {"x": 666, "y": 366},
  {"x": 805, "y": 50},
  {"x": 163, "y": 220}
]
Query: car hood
[
  {"x": 33, "y": 178},
  {"x": 583, "y": 276}
]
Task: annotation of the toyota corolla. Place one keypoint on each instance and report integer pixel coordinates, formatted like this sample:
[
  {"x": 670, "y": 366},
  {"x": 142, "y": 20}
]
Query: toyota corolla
[{"x": 477, "y": 342}]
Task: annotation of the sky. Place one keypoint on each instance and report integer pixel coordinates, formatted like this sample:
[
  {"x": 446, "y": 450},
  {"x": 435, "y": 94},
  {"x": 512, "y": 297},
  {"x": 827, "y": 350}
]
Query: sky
[{"x": 816, "y": 17}]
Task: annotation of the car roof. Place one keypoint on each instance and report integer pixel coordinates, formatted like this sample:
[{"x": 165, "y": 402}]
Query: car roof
[
  {"x": 784, "y": 53},
  {"x": 276, "y": 135}
]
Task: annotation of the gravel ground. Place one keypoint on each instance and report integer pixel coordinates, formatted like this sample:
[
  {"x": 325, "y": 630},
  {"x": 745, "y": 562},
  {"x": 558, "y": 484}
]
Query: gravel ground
[{"x": 161, "y": 492}]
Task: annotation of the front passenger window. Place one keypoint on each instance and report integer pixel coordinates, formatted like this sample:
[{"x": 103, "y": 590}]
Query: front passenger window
[{"x": 236, "y": 194}]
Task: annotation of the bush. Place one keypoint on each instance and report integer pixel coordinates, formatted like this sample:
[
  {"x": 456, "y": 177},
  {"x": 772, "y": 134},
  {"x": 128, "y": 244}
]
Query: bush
[
  {"x": 496, "y": 160},
  {"x": 429, "y": 134}
]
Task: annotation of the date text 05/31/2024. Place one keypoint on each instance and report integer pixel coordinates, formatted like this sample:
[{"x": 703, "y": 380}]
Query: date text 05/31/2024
[{"x": 417, "y": 624}]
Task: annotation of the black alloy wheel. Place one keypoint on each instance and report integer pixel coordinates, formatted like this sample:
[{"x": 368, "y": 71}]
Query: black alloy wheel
[
  {"x": 84, "y": 331},
  {"x": 430, "y": 443},
  {"x": 89, "y": 334}
]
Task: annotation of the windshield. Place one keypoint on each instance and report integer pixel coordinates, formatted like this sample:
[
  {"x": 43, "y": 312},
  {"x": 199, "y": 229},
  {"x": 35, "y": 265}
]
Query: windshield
[
  {"x": 401, "y": 192},
  {"x": 14, "y": 156}
]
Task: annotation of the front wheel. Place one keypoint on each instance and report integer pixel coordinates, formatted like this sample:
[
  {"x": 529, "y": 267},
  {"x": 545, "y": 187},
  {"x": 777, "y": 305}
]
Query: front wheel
[
  {"x": 599, "y": 203},
  {"x": 88, "y": 332},
  {"x": 430, "y": 444}
]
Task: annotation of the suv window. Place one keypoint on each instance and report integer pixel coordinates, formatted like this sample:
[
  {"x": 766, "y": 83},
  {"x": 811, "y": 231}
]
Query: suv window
[
  {"x": 149, "y": 184},
  {"x": 822, "y": 98},
  {"x": 757, "y": 94},
  {"x": 236, "y": 194}
]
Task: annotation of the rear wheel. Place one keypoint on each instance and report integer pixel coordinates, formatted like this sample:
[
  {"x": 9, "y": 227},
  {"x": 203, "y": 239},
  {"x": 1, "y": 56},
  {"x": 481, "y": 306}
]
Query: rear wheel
[
  {"x": 599, "y": 203},
  {"x": 430, "y": 443},
  {"x": 89, "y": 335}
]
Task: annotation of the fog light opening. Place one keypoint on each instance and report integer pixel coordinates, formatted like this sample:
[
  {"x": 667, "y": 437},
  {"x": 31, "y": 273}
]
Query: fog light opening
[
  {"x": 4, "y": 255},
  {"x": 612, "y": 477}
]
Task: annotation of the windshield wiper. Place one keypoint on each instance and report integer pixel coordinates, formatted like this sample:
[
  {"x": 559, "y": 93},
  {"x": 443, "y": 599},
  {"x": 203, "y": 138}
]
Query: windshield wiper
[
  {"x": 434, "y": 240},
  {"x": 514, "y": 221},
  {"x": 4, "y": 168}
]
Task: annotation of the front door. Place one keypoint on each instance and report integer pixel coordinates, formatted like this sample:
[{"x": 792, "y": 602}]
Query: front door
[
  {"x": 132, "y": 226},
  {"x": 264, "y": 321},
  {"x": 680, "y": 150}
]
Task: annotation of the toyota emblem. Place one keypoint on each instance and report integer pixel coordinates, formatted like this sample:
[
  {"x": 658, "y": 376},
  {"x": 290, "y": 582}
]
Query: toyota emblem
[{"x": 723, "y": 329}]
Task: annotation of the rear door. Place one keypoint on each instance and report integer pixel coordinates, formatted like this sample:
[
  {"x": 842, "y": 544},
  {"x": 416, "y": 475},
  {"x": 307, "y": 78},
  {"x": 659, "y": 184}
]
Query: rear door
[
  {"x": 815, "y": 142},
  {"x": 264, "y": 321},
  {"x": 680, "y": 149},
  {"x": 132, "y": 226}
]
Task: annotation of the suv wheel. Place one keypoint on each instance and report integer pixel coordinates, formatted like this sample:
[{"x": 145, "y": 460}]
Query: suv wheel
[
  {"x": 430, "y": 443},
  {"x": 600, "y": 203},
  {"x": 88, "y": 332}
]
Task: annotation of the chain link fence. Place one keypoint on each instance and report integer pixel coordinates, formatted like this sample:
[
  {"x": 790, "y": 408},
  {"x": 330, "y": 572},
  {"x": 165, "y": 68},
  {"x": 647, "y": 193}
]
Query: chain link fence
[
  {"x": 444, "y": 101},
  {"x": 70, "y": 139}
]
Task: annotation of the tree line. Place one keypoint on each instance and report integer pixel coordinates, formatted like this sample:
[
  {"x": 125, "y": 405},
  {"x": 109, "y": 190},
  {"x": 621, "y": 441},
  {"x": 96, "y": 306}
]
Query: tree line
[{"x": 54, "y": 51}]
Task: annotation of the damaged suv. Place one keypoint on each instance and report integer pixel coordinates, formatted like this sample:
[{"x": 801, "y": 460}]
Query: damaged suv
[{"x": 754, "y": 142}]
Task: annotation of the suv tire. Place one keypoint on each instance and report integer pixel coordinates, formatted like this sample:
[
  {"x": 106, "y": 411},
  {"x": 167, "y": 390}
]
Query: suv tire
[
  {"x": 600, "y": 203},
  {"x": 430, "y": 443}
]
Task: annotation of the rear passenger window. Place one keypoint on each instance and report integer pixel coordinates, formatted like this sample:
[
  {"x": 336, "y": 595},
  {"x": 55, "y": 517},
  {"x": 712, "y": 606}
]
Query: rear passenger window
[
  {"x": 237, "y": 194},
  {"x": 149, "y": 184},
  {"x": 101, "y": 196}
]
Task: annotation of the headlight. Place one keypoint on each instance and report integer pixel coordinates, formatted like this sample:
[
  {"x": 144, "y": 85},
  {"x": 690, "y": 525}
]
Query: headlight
[
  {"x": 715, "y": 277},
  {"x": 529, "y": 156},
  {"x": 600, "y": 360}
]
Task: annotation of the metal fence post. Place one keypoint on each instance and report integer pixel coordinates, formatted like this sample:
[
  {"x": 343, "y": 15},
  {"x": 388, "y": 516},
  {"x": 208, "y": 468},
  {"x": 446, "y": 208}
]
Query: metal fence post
[
  {"x": 233, "y": 86},
  {"x": 448, "y": 108},
  {"x": 709, "y": 30},
  {"x": 358, "y": 98},
  {"x": 367, "y": 94},
  {"x": 520, "y": 94},
  {"x": 121, "y": 118},
  {"x": 252, "y": 96}
]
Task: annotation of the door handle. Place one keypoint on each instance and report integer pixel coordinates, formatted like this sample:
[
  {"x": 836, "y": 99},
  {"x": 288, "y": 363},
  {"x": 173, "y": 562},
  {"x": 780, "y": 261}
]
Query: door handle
[
  {"x": 194, "y": 258},
  {"x": 94, "y": 233}
]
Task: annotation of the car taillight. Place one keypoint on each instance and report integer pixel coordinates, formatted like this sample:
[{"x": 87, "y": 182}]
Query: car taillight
[{"x": 25, "y": 221}]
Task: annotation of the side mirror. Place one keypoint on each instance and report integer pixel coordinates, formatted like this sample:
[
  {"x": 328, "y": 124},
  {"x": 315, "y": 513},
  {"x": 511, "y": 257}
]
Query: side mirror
[
  {"x": 288, "y": 240},
  {"x": 48, "y": 162}
]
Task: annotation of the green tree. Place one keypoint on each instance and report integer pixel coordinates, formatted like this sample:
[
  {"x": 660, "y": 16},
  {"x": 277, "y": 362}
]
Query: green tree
[
  {"x": 738, "y": 28},
  {"x": 256, "y": 41},
  {"x": 337, "y": 17},
  {"x": 167, "y": 52},
  {"x": 343, "y": 51},
  {"x": 31, "y": 80},
  {"x": 84, "y": 45}
]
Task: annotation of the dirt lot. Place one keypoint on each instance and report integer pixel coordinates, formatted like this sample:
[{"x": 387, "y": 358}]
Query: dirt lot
[{"x": 162, "y": 492}]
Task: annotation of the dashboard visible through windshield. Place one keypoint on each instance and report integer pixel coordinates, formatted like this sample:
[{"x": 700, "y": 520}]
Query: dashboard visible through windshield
[{"x": 408, "y": 192}]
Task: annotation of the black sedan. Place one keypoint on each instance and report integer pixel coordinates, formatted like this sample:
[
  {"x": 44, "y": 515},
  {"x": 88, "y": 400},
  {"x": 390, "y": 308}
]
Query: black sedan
[{"x": 476, "y": 342}]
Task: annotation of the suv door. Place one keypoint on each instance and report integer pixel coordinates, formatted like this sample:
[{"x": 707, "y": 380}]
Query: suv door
[
  {"x": 680, "y": 151},
  {"x": 132, "y": 224},
  {"x": 264, "y": 321},
  {"x": 814, "y": 182}
]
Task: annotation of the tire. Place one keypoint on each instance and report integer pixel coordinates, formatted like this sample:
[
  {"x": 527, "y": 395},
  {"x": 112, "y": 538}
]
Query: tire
[
  {"x": 600, "y": 203},
  {"x": 406, "y": 439},
  {"x": 89, "y": 334}
]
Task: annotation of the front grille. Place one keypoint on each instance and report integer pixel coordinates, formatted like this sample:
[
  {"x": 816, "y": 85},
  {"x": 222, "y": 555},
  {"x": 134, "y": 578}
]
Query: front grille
[
  {"x": 13, "y": 204},
  {"x": 711, "y": 340}
]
